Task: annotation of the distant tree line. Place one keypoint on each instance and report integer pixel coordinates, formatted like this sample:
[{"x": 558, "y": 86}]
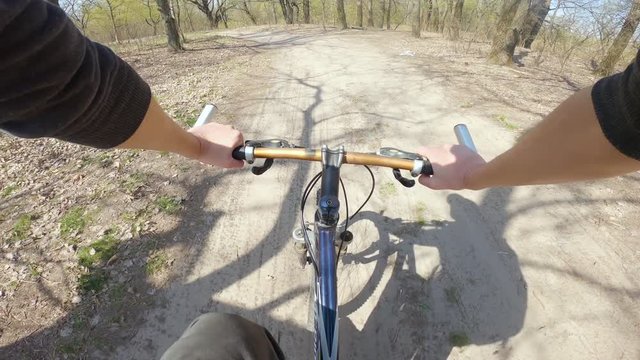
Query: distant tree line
[{"x": 559, "y": 26}]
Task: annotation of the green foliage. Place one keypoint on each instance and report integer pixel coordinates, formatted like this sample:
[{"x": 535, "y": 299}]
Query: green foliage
[
  {"x": 73, "y": 221},
  {"x": 452, "y": 295},
  {"x": 21, "y": 228},
  {"x": 69, "y": 348},
  {"x": 459, "y": 339},
  {"x": 168, "y": 204},
  {"x": 388, "y": 189},
  {"x": 92, "y": 256},
  {"x": 35, "y": 271},
  {"x": 502, "y": 119},
  {"x": 156, "y": 263},
  {"x": 132, "y": 182},
  {"x": 99, "y": 251},
  {"x": 92, "y": 281},
  {"x": 419, "y": 209},
  {"x": 8, "y": 190}
]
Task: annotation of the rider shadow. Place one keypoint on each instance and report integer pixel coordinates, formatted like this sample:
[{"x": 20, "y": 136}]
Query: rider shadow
[{"x": 476, "y": 295}]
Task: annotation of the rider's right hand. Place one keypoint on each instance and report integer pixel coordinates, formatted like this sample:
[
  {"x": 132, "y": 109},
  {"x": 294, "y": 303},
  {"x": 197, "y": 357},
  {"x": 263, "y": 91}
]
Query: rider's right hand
[{"x": 452, "y": 166}]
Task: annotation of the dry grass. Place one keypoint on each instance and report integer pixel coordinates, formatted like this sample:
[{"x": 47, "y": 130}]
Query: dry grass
[{"x": 78, "y": 223}]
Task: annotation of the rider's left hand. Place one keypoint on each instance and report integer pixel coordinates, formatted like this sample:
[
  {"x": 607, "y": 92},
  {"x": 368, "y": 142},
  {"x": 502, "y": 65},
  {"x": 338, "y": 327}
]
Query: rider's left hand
[{"x": 217, "y": 142}]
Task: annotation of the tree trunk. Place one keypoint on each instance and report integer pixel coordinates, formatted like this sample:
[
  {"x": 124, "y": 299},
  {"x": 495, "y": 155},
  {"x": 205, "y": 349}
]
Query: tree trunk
[
  {"x": 416, "y": 27},
  {"x": 305, "y": 10},
  {"x": 444, "y": 16},
  {"x": 621, "y": 41},
  {"x": 370, "y": 20},
  {"x": 245, "y": 7},
  {"x": 341, "y": 14},
  {"x": 190, "y": 20},
  {"x": 533, "y": 20},
  {"x": 275, "y": 13},
  {"x": 178, "y": 17},
  {"x": 427, "y": 14},
  {"x": 115, "y": 30},
  {"x": 389, "y": 15},
  {"x": 434, "y": 23},
  {"x": 382, "y": 6},
  {"x": 454, "y": 21},
  {"x": 324, "y": 15},
  {"x": 359, "y": 13},
  {"x": 170, "y": 27},
  {"x": 502, "y": 47},
  {"x": 287, "y": 11}
]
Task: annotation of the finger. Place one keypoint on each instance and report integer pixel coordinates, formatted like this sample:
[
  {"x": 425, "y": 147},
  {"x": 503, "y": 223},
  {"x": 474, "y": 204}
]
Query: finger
[
  {"x": 240, "y": 140},
  {"x": 236, "y": 164},
  {"x": 423, "y": 150},
  {"x": 432, "y": 182}
]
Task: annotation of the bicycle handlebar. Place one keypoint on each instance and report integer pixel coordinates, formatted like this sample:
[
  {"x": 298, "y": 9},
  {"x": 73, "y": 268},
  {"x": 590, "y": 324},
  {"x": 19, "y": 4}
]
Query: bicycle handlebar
[
  {"x": 464, "y": 136},
  {"x": 414, "y": 163}
]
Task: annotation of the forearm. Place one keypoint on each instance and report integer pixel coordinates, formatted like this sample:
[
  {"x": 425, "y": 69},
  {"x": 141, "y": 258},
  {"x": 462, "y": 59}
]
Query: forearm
[
  {"x": 568, "y": 145},
  {"x": 212, "y": 143},
  {"x": 159, "y": 132}
]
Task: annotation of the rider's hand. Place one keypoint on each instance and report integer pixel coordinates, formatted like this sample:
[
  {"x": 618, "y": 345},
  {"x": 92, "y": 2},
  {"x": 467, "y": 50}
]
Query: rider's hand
[
  {"x": 217, "y": 142},
  {"x": 452, "y": 165}
]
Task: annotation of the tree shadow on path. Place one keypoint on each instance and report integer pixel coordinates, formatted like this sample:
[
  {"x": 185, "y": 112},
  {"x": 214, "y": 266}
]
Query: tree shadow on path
[{"x": 476, "y": 295}]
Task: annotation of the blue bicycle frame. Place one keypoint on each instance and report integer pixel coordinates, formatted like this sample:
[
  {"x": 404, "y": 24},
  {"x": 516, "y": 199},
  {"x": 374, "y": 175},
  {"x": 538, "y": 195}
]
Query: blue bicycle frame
[{"x": 326, "y": 220}]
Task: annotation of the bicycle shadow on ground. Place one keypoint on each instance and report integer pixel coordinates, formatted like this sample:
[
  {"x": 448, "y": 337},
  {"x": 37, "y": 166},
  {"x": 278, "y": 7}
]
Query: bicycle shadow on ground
[{"x": 476, "y": 295}]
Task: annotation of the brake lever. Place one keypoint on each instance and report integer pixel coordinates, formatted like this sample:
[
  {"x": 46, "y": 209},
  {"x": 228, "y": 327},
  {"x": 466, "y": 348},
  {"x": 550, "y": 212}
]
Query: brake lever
[
  {"x": 400, "y": 154},
  {"x": 259, "y": 170},
  {"x": 397, "y": 153},
  {"x": 403, "y": 180},
  {"x": 269, "y": 143}
]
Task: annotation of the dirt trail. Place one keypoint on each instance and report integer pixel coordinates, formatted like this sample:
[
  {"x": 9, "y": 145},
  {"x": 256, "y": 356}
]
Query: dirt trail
[{"x": 529, "y": 273}]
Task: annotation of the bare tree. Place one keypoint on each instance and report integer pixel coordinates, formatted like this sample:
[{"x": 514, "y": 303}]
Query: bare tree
[
  {"x": 621, "y": 41},
  {"x": 382, "y": 5},
  {"x": 341, "y": 14},
  {"x": 214, "y": 10},
  {"x": 506, "y": 37},
  {"x": 150, "y": 19},
  {"x": 170, "y": 26},
  {"x": 454, "y": 21},
  {"x": 245, "y": 9},
  {"x": 111, "y": 7},
  {"x": 287, "y": 10},
  {"x": 389, "y": 14},
  {"x": 80, "y": 12},
  {"x": 533, "y": 20},
  {"x": 275, "y": 13},
  {"x": 427, "y": 13},
  {"x": 177, "y": 11},
  {"x": 434, "y": 19},
  {"x": 306, "y": 11},
  {"x": 359, "y": 16},
  {"x": 444, "y": 14},
  {"x": 188, "y": 14},
  {"x": 370, "y": 20},
  {"x": 324, "y": 14},
  {"x": 416, "y": 27}
]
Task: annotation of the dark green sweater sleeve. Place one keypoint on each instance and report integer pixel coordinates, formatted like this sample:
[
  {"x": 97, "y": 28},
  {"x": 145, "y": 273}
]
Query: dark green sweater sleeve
[
  {"x": 616, "y": 100},
  {"x": 54, "y": 82}
]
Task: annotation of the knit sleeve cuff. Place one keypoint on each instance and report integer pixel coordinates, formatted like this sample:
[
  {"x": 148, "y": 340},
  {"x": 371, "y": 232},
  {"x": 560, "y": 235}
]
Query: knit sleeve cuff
[{"x": 616, "y": 101}]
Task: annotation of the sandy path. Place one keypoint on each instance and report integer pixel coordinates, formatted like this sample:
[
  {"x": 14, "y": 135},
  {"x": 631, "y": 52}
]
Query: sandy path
[{"x": 520, "y": 273}]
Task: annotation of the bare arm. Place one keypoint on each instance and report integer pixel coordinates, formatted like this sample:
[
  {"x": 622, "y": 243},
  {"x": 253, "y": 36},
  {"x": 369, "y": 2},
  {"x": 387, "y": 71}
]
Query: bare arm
[
  {"x": 212, "y": 143},
  {"x": 568, "y": 145}
]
